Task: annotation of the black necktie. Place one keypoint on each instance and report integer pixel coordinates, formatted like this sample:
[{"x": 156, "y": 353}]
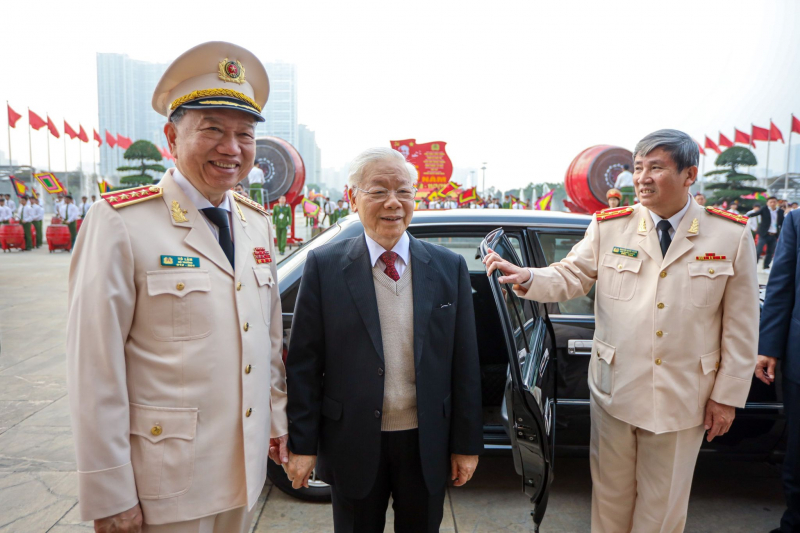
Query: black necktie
[
  {"x": 664, "y": 226},
  {"x": 219, "y": 217}
]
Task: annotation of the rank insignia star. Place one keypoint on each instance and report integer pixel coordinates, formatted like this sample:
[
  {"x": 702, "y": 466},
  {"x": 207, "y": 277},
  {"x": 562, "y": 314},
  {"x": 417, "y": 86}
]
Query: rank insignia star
[{"x": 132, "y": 196}]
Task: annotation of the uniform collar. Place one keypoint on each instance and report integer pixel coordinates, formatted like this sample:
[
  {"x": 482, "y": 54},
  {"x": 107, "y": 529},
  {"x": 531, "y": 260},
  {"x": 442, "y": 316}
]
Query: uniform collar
[
  {"x": 675, "y": 219},
  {"x": 199, "y": 201},
  {"x": 376, "y": 250}
]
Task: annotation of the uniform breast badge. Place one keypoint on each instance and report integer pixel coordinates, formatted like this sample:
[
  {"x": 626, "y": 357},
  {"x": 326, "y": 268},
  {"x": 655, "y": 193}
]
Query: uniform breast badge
[
  {"x": 261, "y": 255},
  {"x": 624, "y": 251},
  {"x": 178, "y": 214},
  {"x": 180, "y": 261},
  {"x": 711, "y": 256}
]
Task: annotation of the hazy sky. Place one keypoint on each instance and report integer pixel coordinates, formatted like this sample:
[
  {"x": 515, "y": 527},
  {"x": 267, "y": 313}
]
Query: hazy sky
[{"x": 524, "y": 85}]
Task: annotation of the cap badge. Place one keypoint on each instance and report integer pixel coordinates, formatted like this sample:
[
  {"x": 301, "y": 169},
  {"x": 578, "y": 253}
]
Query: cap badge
[{"x": 231, "y": 71}]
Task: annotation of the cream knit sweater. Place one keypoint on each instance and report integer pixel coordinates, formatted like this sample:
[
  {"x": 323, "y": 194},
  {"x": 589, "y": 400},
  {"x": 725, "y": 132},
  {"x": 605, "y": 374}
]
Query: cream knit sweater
[{"x": 396, "y": 312}]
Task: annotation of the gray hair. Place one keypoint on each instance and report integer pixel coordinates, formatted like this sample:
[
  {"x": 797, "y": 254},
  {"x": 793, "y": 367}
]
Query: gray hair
[
  {"x": 682, "y": 148},
  {"x": 370, "y": 156},
  {"x": 177, "y": 115}
]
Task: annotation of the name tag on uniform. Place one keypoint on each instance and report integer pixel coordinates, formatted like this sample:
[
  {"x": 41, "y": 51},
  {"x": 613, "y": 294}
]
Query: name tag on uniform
[
  {"x": 625, "y": 251},
  {"x": 180, "y": 261}
]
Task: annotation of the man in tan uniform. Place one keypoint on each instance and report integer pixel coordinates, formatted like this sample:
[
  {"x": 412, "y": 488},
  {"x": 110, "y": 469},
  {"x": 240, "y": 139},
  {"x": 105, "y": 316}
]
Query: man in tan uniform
[
  {"x": 174, "y": 344},
  {"x": 676, "y": 334}
]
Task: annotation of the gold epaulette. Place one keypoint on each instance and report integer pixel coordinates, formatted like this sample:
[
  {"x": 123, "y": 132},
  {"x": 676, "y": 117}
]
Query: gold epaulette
[
  {"x": 132, "y": 196},
  {"x": 615, "y": 212},
  {"x": 251, "y": 204},
  {"x": 741, "y": 219}
]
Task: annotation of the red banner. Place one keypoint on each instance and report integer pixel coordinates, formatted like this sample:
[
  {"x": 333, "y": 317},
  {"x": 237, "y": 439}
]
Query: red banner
[
  {"x": 13, "y": 117},
  {"x": 433, "y": 165},
  {"x": 724, "y": 141}
]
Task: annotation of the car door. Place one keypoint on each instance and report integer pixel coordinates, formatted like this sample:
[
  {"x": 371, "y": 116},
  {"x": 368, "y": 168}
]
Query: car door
[{"x": 530, "y": 393}]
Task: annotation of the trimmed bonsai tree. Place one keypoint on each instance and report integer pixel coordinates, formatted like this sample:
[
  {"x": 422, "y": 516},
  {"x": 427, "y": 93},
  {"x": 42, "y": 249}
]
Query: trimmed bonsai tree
[
  {"x": 735, "y": 184},
  {"x": 141, "y": 152}
]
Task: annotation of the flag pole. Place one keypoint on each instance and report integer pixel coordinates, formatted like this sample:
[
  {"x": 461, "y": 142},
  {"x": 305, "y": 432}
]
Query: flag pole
[
  {"x": 769, "y": 140},
  {"x": 703, "y": 177},
  {"x": 48, "y": 142},
  {"x": 788, "y": 157},
  {"x": 8, "y": 125},
  {"x": 30, "y": 150}
]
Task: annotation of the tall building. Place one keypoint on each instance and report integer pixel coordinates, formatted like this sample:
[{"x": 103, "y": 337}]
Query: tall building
[
  {"x": 307, "y": 146},
  {"x": 124, "y": 94},
  {"x": 281, "y": 108}
]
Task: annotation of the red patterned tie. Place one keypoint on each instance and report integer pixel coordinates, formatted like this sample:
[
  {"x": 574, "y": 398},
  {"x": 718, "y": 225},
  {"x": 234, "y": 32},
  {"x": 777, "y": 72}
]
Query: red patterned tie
[{"x": 388, "y": 259}]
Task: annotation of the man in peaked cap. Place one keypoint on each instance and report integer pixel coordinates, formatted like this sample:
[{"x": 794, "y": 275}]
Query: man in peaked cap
[{"x": 174, "y": 345}]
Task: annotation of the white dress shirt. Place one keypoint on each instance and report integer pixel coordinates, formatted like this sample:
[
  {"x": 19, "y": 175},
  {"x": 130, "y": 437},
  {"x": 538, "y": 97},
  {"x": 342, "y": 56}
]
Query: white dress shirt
[
  {"x": 674, "y": 220},
  {"x": 256, "y": 175},
  {"x": 38, "y": 212},
  {"x": 201, "y": 202},
  {"x": 72, "y": 213},
  {"x": 5, "y": 213},
  {"x": 11, "y": 205},
  {"x": 773, "y": 223},
  {"x": 624, "y": 179},
  {"x": 401, "y": 249}
]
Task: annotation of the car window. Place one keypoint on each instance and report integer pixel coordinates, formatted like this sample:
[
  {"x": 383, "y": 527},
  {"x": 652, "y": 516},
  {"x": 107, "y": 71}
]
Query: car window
[
  {"x": 467, "y": 246},
  {"x": 555, "y": 247},
  {"x": 514, "y": 304}
]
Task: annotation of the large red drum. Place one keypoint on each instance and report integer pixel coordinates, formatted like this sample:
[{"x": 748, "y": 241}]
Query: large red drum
[
  {"x": 284, "y": 170},
  {"x": 12, "y": 236},
  {"x": 592, "y": 173},
  {"x": 58, "y": 237}
]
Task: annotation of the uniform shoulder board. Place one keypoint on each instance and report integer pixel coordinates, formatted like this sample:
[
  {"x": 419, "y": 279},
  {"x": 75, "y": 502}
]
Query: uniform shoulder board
[
  {"x": 132, "y": 196},
  {"x": 741, "y": 219},
  {"x": 616, "y": 212},
  {"x": 250, "y": 203}
]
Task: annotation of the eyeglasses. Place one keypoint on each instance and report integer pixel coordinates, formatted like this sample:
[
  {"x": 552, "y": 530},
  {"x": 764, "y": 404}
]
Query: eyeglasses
[{"x": 379, "y": 194}]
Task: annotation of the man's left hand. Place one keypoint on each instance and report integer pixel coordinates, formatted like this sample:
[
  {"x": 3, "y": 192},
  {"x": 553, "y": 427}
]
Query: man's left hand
[
  {"x": 718, "y": 419},
  {"x": 279, "y": 449},
  {"x": 462, "y": 466}
]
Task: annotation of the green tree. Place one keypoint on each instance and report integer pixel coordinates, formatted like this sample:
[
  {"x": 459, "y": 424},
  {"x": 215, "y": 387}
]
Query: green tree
[
  {"x": 734, "y": 184},
  {"x": 141, "y": 151}
]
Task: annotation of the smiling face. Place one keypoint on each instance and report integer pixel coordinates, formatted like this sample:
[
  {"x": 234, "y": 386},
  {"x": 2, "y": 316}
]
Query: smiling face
[
  {"x": 384, "y": 221},
  {"x": 659, "y": 185},
  {"x": 213, "y": 148}
]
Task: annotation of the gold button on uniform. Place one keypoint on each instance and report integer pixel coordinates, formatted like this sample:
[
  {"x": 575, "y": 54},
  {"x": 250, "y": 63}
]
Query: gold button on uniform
[
  {"x": 180, "y": 286},
  {"x": 248, "y": 369},
  {"x": 663, "y": 274},
  {"x": 249, "y": 412},
  {"x": 156, "y": 430},
  {"x": 660, "y": 305},
  {"x": 658, "y": 362},
  {"x": 246, "y": 326},
  {"x": 239, "y": 286},
  {"x": 619, "y": 266},
  {"x": 710, "y": 270},
  {"x": 659, "y": 333}
]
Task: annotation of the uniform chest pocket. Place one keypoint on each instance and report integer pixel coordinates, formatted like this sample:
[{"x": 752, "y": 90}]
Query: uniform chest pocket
[
  {"x": 620, "y": 274},
  {"x": 266, "y": 283},
  {"x": 708, "y": 281},
  {"x": 178, "y": 304}
]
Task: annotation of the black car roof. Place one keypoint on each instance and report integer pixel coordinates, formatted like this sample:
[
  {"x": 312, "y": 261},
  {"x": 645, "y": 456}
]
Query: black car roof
[{"x": 498, "y": 216}]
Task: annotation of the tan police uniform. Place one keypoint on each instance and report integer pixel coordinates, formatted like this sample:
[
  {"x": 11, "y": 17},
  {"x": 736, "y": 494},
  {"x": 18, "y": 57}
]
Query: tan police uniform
[
  {"x": 671, "y": 332},
  {"x": 174, "y": 356}
]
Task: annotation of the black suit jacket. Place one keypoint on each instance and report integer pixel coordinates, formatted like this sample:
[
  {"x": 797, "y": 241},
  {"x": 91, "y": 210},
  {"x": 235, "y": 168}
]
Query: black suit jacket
[
  {"x": 766, "y": 220},
  {"x": 335, "y": 365},
  {"x": 780, "y": 316}
]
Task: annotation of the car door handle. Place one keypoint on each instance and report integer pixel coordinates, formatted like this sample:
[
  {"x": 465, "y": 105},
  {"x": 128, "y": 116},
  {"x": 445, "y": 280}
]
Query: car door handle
[{"x": 579, "y": 347}]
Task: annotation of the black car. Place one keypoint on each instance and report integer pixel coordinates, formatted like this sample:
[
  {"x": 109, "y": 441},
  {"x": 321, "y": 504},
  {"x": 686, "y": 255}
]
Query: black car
[{"x": 534, "y": 357}]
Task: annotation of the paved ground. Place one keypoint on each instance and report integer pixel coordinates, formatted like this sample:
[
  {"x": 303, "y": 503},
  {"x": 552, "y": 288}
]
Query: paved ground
[{"x": 38, "y": 483}]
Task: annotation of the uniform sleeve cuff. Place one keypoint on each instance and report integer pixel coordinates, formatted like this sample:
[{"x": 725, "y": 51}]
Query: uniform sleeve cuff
[
  {"x": 730, "y": 390},
  {"x": 104, "y": 493},
  {"x": 278, "y": 421}
]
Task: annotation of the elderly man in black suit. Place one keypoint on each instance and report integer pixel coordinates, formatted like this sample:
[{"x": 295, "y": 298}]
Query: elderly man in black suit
[
  {"x": 382, "y": 372},
  {"x": 769, "y": 227}
]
